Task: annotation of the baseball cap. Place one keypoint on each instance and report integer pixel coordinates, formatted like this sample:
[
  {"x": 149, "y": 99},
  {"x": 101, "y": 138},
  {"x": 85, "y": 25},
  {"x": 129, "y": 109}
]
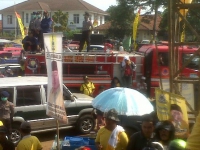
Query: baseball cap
[
  {"x": 5, "y": 94},
  {"x": 126, "y": 58},
  {"x": 112, "y": 114},
  {"x": 25, "y": 125},
  {"x": 85, "y": 77}
]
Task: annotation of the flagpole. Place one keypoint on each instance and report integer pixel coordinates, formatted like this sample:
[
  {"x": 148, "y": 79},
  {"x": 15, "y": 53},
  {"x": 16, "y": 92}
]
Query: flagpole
[{"x": 15, "y": 22}]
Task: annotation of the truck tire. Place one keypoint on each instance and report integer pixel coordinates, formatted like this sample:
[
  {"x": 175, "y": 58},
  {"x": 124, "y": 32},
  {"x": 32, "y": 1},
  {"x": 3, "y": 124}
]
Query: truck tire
[
  {"x": 85, "y": 124},
  {"x": 16, "y": 135}
]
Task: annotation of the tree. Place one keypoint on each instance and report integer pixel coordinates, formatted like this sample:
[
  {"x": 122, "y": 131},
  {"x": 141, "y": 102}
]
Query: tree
[
  {"x": 60, "y": 20},
  {"x": 121, "y": 18}
]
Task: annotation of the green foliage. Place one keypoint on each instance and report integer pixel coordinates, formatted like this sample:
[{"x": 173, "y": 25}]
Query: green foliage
[
  {"x": 121, "y": 18},
  {"x": 60, "y": 21},
  {"x": 69, "y": 34}
]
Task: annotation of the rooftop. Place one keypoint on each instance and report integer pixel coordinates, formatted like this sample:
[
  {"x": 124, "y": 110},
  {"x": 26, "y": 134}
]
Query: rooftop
[{"x": 53, "y": 5}]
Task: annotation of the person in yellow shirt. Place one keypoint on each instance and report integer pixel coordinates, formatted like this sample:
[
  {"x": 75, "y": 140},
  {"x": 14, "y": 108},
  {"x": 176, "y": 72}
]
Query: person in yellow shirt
[
  {"x": 5, "y": 144},
  {"x": 28, "y": 141},
  {"x": 87, "y": 87},
  {"x": 112, "y": 136}
]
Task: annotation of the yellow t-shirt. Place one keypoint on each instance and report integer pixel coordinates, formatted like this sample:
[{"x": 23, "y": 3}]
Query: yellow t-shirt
[
  {"x": 103, "y": 136},
  {"x": 87, "y": 88},
  {"x": 29, "y": 143}
]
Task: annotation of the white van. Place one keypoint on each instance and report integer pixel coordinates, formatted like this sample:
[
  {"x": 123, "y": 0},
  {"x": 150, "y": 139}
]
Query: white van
[{"x": 29, "y": 97}]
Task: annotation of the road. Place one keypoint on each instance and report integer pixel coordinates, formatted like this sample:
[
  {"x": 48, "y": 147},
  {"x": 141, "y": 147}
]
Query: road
[{"x": 47, "y": 138}]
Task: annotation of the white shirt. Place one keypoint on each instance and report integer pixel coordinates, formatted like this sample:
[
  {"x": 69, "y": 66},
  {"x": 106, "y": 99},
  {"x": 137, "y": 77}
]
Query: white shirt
[{"x": 121, "y": 48}]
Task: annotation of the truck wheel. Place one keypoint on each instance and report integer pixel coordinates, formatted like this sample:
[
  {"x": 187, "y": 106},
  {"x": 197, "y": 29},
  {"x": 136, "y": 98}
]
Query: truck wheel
[
  {"x": 15, "y": 135},
  {"x": 85, "y": 124}
]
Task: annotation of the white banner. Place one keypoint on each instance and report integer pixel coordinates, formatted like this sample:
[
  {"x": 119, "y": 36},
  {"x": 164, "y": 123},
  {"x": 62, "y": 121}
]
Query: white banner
[{"x": 53, "y": 54}]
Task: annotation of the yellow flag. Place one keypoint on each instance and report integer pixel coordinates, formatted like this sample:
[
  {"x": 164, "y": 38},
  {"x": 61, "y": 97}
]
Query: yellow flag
[
  {"x": 183, "y": 13},
  {"x": 20, "y": 24},
  {"x": 135, "y": 26}
]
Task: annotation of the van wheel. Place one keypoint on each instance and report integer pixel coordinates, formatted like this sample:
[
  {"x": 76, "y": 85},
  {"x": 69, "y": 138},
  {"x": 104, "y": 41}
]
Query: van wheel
[
  {"x": 85, "y": 124},
  {"x": 15, "y": 135}
]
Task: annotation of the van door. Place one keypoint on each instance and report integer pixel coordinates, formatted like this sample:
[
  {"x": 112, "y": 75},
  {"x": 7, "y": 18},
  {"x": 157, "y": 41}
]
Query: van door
[{"x": 29, "y": 105}]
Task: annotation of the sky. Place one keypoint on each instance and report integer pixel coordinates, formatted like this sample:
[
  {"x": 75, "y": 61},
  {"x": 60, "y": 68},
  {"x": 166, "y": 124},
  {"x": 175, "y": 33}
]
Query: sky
[{"x": 101, "y": 4}]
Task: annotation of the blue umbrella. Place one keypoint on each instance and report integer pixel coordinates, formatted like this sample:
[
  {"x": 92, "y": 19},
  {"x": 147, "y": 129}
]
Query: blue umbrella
[{"x": 125, "y": 100}]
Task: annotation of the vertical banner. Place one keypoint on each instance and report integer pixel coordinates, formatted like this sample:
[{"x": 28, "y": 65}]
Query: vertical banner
[
  {"x": 135, "y": 26},
  {"x": 20, "y": 24},
  {"x": 173, "y": 107},
  {"x": 53, "y": 54}
]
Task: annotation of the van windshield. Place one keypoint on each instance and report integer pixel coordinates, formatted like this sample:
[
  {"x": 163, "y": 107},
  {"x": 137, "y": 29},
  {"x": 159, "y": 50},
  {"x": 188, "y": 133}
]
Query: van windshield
[{"x": 194, "y": 64}]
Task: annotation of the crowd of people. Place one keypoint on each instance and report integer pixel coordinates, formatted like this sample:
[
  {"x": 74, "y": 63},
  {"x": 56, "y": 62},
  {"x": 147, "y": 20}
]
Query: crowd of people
[{"x": 37, "y": 26}]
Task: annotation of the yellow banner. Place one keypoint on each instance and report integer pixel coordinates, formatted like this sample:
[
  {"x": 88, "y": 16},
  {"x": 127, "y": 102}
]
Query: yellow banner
[
  {"x": 173, "y": 107},
  {"x": 135, "y": 26},
  {"x": 20, "y": 24}
]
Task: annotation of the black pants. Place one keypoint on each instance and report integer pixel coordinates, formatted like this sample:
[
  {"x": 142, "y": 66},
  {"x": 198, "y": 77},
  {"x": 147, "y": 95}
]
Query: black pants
[
  {"x": 7, "y": 124},
  {"x": 127, "y": 81},
  {"x": 85, "y": 38}
]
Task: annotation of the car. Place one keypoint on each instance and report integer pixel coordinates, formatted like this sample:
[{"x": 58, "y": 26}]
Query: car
[
  {"x": 74, "y": 45},
  {"x": 145, "y": 42},
  {"x": 29, "y": 96}
]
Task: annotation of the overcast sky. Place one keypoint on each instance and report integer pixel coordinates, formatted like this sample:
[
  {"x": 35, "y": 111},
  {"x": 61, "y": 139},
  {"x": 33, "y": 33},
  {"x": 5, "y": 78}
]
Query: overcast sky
[{"x": 102, "y": 4}]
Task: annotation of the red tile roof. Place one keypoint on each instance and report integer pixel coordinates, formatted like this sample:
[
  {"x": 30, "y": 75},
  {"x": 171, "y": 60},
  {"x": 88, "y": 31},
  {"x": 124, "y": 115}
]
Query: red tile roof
[
  {"x": 146, "y": 23},
  {"x": 54, "y": 5}
]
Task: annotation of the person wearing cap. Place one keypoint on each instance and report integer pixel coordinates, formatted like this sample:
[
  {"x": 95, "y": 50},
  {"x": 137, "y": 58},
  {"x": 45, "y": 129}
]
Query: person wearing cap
[
  {"x": 32, "y": 23},
  {"x": 121, "y": 48},
  {"x": 46, "y": 26},
  {"x": 127, "y": 68},
  {"x": 46, "y": 23},
  {"x": 142, "y": 86},
  {"x": 86, "y": 30},
  {"x": 38, "y": 31},
  {"x": 8, "y": 72},
  {"x": 165, "y": 133},
  {"x": 30, "y": 43},
  {"x": 112, "y": 136},
  {"x": 28, "y": 141},
  {"x": 179, "y": 144},
  {"x": 87, "y": 87},
  {"x": 143, "y": 138},
  {"x": 5, "y": 144},
  {"x": 6, "y": 111}
]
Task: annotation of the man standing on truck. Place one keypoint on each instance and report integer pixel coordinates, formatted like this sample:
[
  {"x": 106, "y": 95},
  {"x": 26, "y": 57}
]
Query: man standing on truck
[
  {"x": 87, "y": 87},
  {"x": 6, "y": 111},
  {"x": 86, "y": 31}
]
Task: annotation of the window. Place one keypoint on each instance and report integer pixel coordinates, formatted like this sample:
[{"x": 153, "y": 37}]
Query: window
[
  {"x": 9, "y": 19},
  {"x": 27, "y": 96},
  {"x": 76, "y": 18},
  {"x": 100, "y": 20},
  {"x": 194, "y": 63},
  {"x": 163, "y": 59},
  {"x": 27, "y": 18}
]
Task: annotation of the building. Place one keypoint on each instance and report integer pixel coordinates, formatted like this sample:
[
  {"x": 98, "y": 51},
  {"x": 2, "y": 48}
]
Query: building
[
  {"x": 145, "y": 27},
  {"x": 74, "y": 8}
]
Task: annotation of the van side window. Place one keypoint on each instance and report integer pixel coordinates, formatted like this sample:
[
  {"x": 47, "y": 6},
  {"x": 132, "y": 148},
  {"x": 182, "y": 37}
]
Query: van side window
[
  {"x": 66, "y": 95},
  {"x": 28, "y": 95},
  {"x": 10, "y": 91}
]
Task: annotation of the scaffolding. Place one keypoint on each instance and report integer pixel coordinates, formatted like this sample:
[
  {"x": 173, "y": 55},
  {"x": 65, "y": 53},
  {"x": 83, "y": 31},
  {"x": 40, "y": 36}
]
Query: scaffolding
[{"x": 177, "y": 13}]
